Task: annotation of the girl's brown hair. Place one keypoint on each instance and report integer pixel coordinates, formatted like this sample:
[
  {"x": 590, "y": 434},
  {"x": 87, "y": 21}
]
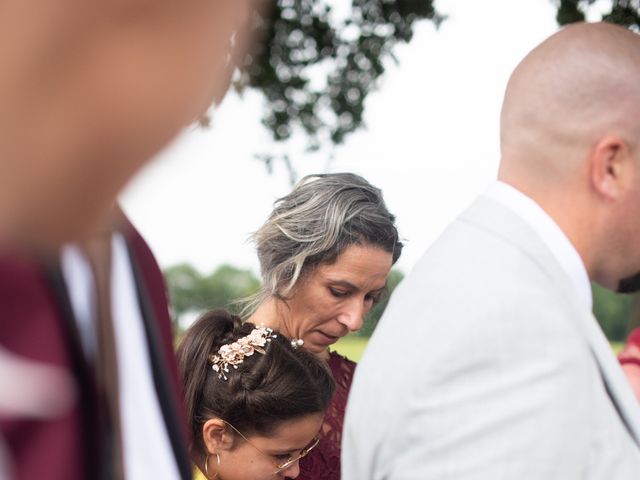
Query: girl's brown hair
[{"x": 265, "y": 390}]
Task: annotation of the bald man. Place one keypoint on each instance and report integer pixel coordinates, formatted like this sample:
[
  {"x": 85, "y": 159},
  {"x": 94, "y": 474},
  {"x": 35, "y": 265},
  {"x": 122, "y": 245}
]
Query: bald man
[{"x": 488, "y": 363}]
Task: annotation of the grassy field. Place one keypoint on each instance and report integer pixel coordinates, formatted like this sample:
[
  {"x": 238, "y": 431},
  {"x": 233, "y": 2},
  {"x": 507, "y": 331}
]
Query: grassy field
[
  {"x": 353, "y": 347},
  {"x": 617, "y": 346}
]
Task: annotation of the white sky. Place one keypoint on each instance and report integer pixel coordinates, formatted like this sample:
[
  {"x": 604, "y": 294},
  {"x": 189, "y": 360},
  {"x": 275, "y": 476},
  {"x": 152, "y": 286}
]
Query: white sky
[{"x": 431, "y": 143}]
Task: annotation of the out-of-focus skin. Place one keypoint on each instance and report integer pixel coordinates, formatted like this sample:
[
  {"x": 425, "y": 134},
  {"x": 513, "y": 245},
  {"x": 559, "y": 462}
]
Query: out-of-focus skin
[{"x": 90, "y": 91}]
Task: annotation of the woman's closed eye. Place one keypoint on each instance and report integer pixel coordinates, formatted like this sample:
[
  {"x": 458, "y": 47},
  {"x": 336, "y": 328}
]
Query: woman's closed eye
[
  {"x": 374, "y": 297},
  {"x": 338, "y": 293}
]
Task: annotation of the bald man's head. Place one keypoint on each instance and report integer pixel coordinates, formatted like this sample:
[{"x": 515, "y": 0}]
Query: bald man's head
[
  {"x": 578, "y": 85},
  {"x": 570, "y": 140}
]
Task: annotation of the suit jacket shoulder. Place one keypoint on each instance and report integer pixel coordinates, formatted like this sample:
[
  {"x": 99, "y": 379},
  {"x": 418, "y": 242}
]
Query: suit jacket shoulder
[{"x": 489, "y": 368}]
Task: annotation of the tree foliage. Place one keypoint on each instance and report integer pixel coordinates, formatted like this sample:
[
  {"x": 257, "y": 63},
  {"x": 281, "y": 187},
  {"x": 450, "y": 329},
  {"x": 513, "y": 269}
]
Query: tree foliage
[
  {"x": 317, "y": 61},
  {"x": 316, "y": 68},
  {"x": 373, "y": 317},
  {"x": 192, "y": 292},
  {"x": 614, "y": 312},
  {"x": 622, "y": 12}
]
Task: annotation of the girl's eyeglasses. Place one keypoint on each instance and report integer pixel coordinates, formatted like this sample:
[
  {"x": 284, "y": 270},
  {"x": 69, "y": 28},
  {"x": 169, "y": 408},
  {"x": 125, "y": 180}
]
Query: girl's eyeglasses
[{"x": 281, "y": 464}]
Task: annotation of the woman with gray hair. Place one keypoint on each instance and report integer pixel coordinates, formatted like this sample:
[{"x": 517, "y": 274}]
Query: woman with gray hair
[{"x": 325, "y": 253}]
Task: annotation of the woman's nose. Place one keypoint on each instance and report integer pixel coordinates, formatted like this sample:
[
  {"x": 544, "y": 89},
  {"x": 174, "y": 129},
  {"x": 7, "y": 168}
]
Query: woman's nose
[{"x": 353, "y": 315}]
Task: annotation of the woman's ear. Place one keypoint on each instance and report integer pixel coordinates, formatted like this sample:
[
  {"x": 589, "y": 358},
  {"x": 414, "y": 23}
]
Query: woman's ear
[
  {"x": 216, "y": 436},
  {"x": 610, "y": 162}
]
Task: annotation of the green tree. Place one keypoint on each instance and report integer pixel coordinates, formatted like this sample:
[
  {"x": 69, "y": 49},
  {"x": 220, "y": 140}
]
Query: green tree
[
  {"x": 191, "y": 292},
  {"x": 315, "y": 66},
  {"x": 183, "y": 282},
  {"x": 613, "y": 312},
  {"x": 622, "y": 12},
  {"x": 372, "y": 318},
  {"x": 228, "y": 284}
]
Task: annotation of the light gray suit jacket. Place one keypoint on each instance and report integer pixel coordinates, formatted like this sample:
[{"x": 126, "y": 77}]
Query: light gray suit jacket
[{"x": 487, "y": 366}]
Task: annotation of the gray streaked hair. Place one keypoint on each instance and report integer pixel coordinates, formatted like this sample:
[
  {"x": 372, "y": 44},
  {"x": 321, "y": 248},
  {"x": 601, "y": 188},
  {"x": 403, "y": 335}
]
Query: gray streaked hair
[{"x": 322, "y": 216}]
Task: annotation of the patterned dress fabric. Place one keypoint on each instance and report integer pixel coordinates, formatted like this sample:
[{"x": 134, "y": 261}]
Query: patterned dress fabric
[{"x": 323, "y": 462}]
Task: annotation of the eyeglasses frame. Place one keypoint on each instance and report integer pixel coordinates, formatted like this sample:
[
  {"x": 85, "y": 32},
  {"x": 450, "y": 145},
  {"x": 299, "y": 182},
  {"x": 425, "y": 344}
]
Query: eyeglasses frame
[{"x": 280, "y": 467}]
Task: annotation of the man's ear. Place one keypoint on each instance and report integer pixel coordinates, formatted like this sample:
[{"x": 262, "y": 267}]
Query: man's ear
[
  {"x": 610, "y": 162},
  {"x": 217, "y": 436}
]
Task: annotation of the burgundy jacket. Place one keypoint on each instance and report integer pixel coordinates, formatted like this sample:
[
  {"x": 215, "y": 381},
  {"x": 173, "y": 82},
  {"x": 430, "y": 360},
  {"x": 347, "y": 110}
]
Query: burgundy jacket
[{"x": 36, "y": 321}]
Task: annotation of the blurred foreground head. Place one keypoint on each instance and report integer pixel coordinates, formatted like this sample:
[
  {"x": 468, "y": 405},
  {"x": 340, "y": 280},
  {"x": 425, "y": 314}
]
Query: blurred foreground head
[
  {"x": 570, "y": 140},
  {"x": 89, "y": 91}
]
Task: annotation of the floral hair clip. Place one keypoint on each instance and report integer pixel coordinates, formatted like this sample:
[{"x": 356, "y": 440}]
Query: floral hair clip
[{"x": 233, "y": 354}]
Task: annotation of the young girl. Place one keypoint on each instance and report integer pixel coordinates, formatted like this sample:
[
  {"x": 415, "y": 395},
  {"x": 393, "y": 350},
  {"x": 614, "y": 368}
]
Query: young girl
[{"x": 255, "y": 402}]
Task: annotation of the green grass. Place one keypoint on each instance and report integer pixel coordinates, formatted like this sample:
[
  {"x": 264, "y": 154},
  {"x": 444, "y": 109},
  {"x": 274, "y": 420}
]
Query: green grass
[
  {"x": 351, "y": 347},
  {"x": 616, "y": 346}
]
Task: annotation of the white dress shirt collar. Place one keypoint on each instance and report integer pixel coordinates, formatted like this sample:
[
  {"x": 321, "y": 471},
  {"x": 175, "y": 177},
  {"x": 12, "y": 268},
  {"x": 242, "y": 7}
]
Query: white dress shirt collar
[
  {"x": 147, "y": 448},
  {"x": 550, "y": 233}
]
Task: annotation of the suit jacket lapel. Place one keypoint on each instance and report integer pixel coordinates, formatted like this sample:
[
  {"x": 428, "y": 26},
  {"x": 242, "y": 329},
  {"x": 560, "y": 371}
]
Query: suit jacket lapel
[{"x": 489, "y": 215}]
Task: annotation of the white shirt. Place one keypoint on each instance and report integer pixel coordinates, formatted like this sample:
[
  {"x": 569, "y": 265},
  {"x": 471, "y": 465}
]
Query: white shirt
[
  {"x": 147, "y": 448},
  {"x": 550, "y": 233}
]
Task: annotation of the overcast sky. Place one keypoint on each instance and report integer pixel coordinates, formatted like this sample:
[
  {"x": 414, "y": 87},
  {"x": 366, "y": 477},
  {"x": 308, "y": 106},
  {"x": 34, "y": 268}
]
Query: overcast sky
[{"x": 431, "y": 143}]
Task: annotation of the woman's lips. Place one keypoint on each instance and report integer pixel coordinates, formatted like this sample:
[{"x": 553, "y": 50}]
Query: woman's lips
[{"x": 326, "y": 338}]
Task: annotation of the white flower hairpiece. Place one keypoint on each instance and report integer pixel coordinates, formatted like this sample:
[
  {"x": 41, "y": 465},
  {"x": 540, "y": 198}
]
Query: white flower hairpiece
[{"x": 233, "y": 354}]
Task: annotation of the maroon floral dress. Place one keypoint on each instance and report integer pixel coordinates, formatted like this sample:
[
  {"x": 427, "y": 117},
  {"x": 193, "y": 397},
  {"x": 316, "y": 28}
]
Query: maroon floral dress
[{"x": 323, "y": 462}]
